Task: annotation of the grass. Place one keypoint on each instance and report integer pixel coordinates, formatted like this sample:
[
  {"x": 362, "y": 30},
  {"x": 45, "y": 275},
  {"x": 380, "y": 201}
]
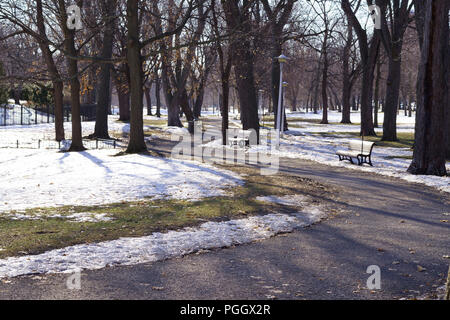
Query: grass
[
  {"x": 140, "y": 218},
  {"x": 157, "y": 123}
]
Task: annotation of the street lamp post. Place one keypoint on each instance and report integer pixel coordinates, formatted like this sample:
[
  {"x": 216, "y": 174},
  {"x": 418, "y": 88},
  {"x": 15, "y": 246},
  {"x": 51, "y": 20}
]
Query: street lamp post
[{"x": 281, "y": 60}]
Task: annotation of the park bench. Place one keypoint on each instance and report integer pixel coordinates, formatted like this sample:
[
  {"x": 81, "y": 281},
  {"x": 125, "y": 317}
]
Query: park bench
[
  {"x": 241, "y": 139},
  {"x": 361, "y": 150}
]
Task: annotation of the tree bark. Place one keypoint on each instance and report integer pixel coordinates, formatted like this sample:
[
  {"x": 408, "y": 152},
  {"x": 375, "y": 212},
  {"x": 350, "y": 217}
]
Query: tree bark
[
  {"x": 158, "y": 97},
  {"x": 124, "y": 102},
  {"x": 392, "y": 96},
  {"x": 239, "y": 19},
  {"x": 136, "y": 143},
  {"x": 324, "y": 83},
  {"x": 72, "y": 66},
  {"x": 368, "y": 53},
  {"x": 58, "y": 85},
  {"x": 103, "y": 96},
  {"x": 148, "y": 99},
  {"x": 432, "y": 93},
  {"x": 346, "y": 84},
  {"x": 377, "y": 96}
]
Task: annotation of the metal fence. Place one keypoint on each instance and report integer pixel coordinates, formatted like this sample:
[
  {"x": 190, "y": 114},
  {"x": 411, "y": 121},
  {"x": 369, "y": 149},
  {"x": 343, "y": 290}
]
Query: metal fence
[
  {"x": 12, "y": 114},
  {"x": 59, "y": 145}
]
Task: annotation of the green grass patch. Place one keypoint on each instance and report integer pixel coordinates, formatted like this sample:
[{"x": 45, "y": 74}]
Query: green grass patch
[
  {"x": 140, "y": 218},
  {"x": 155, "y": 122}
]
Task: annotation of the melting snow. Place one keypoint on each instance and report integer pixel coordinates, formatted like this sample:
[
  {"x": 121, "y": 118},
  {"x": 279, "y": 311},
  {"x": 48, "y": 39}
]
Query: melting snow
[
  {"x": 43, "y": 178},
  {"x": 159, "y": 246},
  {"x": 289, "y": 200}
]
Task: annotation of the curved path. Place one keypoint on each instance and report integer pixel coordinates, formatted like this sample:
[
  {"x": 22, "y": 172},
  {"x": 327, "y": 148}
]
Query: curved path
[{"x": 389, "y": 222}]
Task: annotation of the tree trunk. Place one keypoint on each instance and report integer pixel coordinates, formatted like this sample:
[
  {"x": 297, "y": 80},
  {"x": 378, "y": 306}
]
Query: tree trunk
[
  {"x": 246, "y": 90},
  {"x": 392, "y": 96},
  {"x": 134, "y": 59},
  {"x": 184, "y": 104},
  {"x": 58, "y": 88},
  {"x": 346, "y": 94},
  {"x": 58, "y": 85},
  {"x": 432, "y": 93},
  {"x": 158, "y": 97},
  {"x": 225, "y": 95},
  {"x": 324, "y": 88},
  {"x": 377, "y": 94},
  {"x": 148, "y": 99},
  {"x": 367, "y": 128},
  {"x": 72, "y": 66},
  {"x": 275, "y": 80},
  {"x": 124, "y": 103},
  {"x": 104, "y": 87}
]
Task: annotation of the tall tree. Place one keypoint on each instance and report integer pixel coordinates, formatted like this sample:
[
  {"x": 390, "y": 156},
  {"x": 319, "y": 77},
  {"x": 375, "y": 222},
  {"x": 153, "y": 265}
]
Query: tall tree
[
  {"x": 137, "y": 143},
  {"x": 278, "y": 16},
  {"x": 40, "y": 35},
  {"x": 350, "y": 72},
  {"x": 134, "y": 60},
  {"x": 368, "y": 52},
  {"x": 239, "y": 18},
  {"x": 72, "y": 65},
  {"x": 108, "y": 8},
  {"x": 392, "y": 32},
  {"x": 225, "y": 64}
]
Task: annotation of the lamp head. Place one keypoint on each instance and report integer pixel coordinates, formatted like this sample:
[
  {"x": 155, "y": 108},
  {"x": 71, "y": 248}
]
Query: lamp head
[{"x": 282, "y": 58}]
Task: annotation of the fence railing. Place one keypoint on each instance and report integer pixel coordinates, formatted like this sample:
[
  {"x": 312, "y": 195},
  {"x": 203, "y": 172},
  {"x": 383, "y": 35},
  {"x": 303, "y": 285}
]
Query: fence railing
[
  {"x": 58, "y": 145},
  {"x": 13, "y": 114}
]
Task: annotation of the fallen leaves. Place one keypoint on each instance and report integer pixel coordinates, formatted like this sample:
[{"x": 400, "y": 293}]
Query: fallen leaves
[{"x": 420, "y": 268}]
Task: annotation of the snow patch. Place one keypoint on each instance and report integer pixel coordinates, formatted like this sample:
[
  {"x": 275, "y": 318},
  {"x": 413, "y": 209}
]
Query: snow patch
[
  {"x": 288, "y": 200},
  {"x": 158, "y": 246},
  {"x": 43, "y": 178}
]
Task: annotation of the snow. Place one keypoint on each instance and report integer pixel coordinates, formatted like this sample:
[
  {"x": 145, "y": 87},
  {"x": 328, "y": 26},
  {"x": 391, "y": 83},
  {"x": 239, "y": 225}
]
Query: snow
[
  {"x": 322, "y": 150},
  {"x": 45, "y": 178},
  {"x": 289, "y": 200},
  {"x": 31, "y": 133},
  {"x": 305, "y": 143},
  {"x": 176, "y": 130},
  {"x": 75, "y": 217},
  {"x": 159, "y": 246}
]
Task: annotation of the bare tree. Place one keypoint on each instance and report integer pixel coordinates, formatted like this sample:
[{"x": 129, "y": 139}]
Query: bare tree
[
  {"x": 239, "y": 18},
  {"x": 392, "y": 31},
  {"x": 368, "y": 52},
  {"x": 108, "y": 8}
]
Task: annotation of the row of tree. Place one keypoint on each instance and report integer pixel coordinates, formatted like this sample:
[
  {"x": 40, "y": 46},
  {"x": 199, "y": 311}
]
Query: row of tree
[{"x": 183, "y": 48}]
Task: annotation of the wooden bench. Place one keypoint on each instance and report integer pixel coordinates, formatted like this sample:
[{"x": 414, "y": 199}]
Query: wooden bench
[
  {"x": 242, "y": 139},
  {"x": 361, "y": 150}
]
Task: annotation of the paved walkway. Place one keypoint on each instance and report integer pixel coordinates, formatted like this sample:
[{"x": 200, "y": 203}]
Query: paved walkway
[{"x": 390, "y": 223}]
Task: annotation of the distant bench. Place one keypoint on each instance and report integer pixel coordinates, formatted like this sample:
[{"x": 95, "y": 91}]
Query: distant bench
[
  {"x": 242, "y": 139},
  {"x": 361, "y": 150}
]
